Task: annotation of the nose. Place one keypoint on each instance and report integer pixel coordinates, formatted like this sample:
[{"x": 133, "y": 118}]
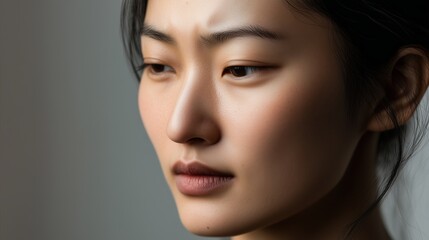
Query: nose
[{"x": 193, "y": 119}]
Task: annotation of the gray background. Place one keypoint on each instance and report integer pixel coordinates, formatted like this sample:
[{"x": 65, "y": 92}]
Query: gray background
[{"x": 75, "y": 163}]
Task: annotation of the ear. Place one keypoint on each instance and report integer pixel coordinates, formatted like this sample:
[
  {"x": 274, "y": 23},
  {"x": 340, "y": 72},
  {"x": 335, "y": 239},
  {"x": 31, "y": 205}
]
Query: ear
[{"x": 406, "y": 78}]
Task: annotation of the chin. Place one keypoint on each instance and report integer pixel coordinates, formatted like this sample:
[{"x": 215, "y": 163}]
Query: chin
[
  {"x": 213, "y": 229},
  {"x": 214, "y": 223}
]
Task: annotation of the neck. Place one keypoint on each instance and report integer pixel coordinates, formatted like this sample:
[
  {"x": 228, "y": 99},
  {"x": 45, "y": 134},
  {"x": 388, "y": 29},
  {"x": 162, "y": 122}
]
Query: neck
[{"x": 331, "y": 217}]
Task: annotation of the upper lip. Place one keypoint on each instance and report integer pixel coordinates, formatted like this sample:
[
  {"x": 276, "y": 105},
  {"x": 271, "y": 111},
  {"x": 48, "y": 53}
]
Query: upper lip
[{"x": 197, "y": 169}]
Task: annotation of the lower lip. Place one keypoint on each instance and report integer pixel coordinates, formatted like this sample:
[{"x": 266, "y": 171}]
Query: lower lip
[{"x": 193, "y": 185}]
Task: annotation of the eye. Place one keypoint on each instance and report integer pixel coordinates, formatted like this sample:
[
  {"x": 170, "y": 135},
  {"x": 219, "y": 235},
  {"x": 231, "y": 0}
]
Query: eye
[
  {"x": 158, "y": 68},
  {"x": 240, "y": 71}
]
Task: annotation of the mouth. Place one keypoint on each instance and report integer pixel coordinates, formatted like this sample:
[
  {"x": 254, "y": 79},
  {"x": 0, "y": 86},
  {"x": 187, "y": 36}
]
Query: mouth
[{"x": 196, "y": 179}]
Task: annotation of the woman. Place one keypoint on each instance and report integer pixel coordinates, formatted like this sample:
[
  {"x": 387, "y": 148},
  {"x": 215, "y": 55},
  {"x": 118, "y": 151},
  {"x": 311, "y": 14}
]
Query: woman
[{"x": 269, "y": 117}]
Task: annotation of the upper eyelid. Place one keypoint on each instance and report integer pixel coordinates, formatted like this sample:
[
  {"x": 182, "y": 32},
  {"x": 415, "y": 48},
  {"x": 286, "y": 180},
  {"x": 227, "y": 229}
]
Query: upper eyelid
[
  {"x": 153, "y": 61},
  {"x": 249, "y": 63},
  {"x": 248, "y": 66},
  {"x": 253, "y": 67},
  {"x": 259, "y": 65},
  {"x": 159, "y": 64},
  {"x": 145, "y": 65},
  {"x": 253, "y": 70},
  {"x": 244, "y": 66}
]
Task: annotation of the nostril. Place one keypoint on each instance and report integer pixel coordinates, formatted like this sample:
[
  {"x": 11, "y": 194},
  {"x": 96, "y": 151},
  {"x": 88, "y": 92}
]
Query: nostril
[
  {"x": 196, "y": 141},
  {"x": 195, "y": 130}
]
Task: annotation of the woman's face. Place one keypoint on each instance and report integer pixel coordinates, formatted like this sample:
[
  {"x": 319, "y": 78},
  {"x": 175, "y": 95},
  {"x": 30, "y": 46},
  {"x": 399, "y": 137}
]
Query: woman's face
[{"x": 244, "y": 103}]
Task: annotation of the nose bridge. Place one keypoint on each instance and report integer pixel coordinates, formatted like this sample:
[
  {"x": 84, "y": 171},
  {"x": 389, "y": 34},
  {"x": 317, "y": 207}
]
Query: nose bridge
[
  {"x": 193, "y": 116},
  {"x": 190, "y": 101}
]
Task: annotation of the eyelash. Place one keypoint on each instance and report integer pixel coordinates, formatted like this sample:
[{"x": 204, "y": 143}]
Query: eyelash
[
  {"x": 237, "y": 71},
  {"x": 234, "y": 71},
  {"x": 154, "y": 68}
]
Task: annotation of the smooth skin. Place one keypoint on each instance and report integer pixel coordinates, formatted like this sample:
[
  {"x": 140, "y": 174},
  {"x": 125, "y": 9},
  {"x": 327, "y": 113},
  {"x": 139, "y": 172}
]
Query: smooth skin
[{"x": 270, "y": 108}]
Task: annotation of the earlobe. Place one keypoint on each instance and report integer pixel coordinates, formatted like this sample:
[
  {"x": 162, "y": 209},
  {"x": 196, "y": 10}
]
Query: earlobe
[{"x": 407, "y": 80}]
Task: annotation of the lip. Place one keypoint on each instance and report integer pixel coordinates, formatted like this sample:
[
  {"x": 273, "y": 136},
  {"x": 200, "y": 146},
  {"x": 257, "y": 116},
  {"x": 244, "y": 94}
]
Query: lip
[{"x": 196, "y": 179}]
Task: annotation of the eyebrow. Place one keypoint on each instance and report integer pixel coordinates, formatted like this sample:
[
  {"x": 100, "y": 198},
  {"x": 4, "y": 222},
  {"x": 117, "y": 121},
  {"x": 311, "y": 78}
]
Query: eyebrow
[
  {"x": 216, "y": 37},
  {"x": 246, "y": 31},
  {"x": 151, "y": 32}
]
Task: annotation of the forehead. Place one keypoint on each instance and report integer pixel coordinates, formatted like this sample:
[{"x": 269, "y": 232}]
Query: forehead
[{"x": 201, "y": 16}]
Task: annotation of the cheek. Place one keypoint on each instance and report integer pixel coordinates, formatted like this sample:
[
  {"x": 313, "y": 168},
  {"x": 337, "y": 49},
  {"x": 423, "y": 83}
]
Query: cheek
[
  {"x": 154, "y": 112},
  {"x": 150, "y": 114},
  {"x": 290, "y": 144},
  {"x": 290, "y": 116}
]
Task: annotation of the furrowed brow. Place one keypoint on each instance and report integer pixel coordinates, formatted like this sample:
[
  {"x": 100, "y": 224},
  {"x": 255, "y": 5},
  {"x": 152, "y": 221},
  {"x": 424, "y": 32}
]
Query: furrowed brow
[
  {"x": 216, "y": 37},
  {"x": 151, "y": 32}
]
